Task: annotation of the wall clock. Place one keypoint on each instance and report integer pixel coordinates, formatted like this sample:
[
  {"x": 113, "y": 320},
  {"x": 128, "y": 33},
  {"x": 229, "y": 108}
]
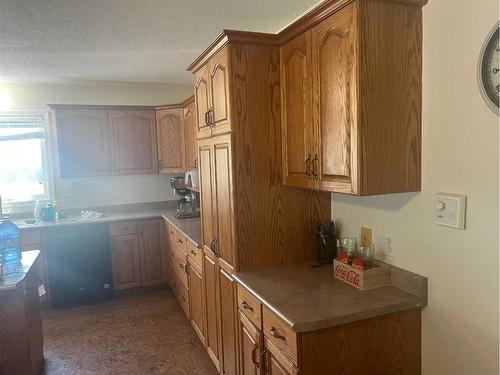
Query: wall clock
[{"x": 489, "y": 70}]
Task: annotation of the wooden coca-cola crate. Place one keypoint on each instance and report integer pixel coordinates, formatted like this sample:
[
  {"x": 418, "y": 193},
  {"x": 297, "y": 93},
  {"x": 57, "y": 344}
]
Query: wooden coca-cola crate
[{"x": 377, "y": 276}]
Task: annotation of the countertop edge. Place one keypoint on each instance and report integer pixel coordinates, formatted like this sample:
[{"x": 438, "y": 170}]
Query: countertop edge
[
  {"x": 166, "y": 218},
  {"x": 417, "y": 302}
]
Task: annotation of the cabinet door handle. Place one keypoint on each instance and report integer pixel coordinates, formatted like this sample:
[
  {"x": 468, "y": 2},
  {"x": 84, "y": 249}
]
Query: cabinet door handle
[
  {"x": 246, "y": 306},
  {"x": 276, "y": 335},
  {"x": 216, "y": 248},
  {"x": 210, "y": 117},
  {"x": 196, "y": 163},
  {"x": 181, "y": 265},
  {"x": 180, "y": 241},
  {"x": 212, "y": 246},
  {"x": 192, "y": 252},
  {"x": 206, "y": 119},
  {"x": 254, "y": 352},
  {"x": 308, "y": 166},
  {"x": 186, "y": 268},
  {"x": 314, "y": 163}
]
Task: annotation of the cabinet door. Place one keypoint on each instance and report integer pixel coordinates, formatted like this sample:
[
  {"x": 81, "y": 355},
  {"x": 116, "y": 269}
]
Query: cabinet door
[
  {"x": 206, "y": 192},
  {"x": 227, "y": 309},
  {"x": 196, "y": 301},
  {"x": 296, "y": 111},
  {"x": 171, "y": 141},
  {"x": 32, "y": 240},
  {"x": 125, "y": 262},
  {"x": 202, "y": 101},
  {"x": 219, "y": 92},
  {"x": 250, "y": 347},
  {"x": 276, "y": 363},
  {"x": 133, "y": 142},
  {"x": 334, "y": 64},
  {"x": 212, "y": 323},
  {"x": 152, "y": 257},
  {"x": 83, "y": 143},
  {"x": 223, "y": 199},
  {"x": 190, "y": 134}
]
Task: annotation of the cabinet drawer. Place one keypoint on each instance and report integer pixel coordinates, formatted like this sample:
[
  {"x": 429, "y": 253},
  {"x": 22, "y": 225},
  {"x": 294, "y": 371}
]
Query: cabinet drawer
[
  {"x": 179, "y": 265},
  {"x": 250, "y": 306},
  {"x": 183, "y": 298},
  {"x": 280, "y": 334},
  {"x": 122, "y": 228},
  {"x": 176, "y": 237},
  {"x": 194, "y": 253}
]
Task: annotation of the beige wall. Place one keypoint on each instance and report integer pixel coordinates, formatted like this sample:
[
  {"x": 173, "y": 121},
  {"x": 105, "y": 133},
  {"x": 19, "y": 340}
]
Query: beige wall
[
  {"x": 84, "y": 192},
  {"x": 460, "y": 155}
]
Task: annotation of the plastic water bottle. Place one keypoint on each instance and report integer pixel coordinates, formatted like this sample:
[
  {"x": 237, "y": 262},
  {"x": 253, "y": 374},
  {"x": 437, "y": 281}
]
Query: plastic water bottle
[{"x": 10, "y": 251}]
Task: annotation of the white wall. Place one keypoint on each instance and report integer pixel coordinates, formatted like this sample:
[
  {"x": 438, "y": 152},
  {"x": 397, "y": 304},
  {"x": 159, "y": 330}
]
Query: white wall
[
  {"x": 85, "y": 192},
  {"x": 460, "y": 155}
]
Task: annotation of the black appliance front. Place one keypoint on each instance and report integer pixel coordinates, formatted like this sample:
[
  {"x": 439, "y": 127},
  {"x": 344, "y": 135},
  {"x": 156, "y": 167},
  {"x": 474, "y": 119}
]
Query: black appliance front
[{"x": 79, "y": 264}]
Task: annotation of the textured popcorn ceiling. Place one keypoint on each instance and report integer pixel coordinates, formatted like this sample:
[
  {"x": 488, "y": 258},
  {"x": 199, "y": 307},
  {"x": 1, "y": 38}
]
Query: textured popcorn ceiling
[{"x": 124, "y": 40}]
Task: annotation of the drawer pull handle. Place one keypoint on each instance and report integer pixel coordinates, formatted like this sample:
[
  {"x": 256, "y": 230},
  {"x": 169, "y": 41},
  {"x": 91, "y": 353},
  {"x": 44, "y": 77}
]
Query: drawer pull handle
[
  {"x": 192, "y": 252},
  {"x": 180, "y": 241},
  {"x": 276, "y": 335},
  {"x": 183, "y": 299},
  {"x": 181, "y": 265},
  {"x": 246, "y": 306},
  {"x": 172, "y": 232}
]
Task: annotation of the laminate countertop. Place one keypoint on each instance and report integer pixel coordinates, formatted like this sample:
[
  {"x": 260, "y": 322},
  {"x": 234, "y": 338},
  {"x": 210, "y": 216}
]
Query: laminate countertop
[
  {"x": 15, "y": 280},
  {"x": 190, "y": 227},
  {"x": 308, "y": 299}
]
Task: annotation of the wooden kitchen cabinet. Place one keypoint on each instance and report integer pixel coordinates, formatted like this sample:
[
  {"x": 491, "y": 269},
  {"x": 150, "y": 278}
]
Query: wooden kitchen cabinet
[
  {"x": 361, "y": 96},
  {"x": 216, "y": 197},
  {"x": 190, "y": 136},
  {"x": 138, "y": 254},
  {"x": 171, "y": 140},
  {"x": 103, "y": 140},
  {"x": 83, "y": 143},
  {"x": 202, "y": 102},
  {"x": 125, "y": 262},
  {"x": 275, "y": 362},
  {"x": 212, "y": 96},
  {"x": 133, "y": 142},
  {"x": 251, "y": 345},
  {"x": 210, "y": 274},
  {"x": 196, "y": 299},
  {"x": 152, "y": 253},
  {"x": 297, "y": 122},
  {"x": 227, "y": 306},
  {"x": 32, "y": 239}
]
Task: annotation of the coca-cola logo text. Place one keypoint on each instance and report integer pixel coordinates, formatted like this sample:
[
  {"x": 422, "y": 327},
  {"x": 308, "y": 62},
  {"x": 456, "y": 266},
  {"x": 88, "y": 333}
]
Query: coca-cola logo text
[{"x": 348, "y": 275}]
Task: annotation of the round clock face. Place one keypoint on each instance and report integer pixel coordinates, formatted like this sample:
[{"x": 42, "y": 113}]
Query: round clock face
[{"x": 489, "y": 70}]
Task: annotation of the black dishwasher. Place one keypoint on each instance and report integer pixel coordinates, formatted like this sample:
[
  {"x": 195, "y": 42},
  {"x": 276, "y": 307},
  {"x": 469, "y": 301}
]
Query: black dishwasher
[{"x": 79, "y": 264}]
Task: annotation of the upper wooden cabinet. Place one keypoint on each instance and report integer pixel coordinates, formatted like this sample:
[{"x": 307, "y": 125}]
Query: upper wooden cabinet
[
  {"x": 171, "y": 140},
  {"x": 83, "y": 143},
  {"x": 190, "y": 136},
  {"x": 355, "y": 80},
  {"x": 211, "y": 87},
  {"x": 101, "y": 142},
  {"x": 133, "y": 142}
]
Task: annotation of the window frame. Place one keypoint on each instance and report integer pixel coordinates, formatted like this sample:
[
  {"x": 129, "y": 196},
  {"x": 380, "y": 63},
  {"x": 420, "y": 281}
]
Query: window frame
[{"x": 47, "y": 163}]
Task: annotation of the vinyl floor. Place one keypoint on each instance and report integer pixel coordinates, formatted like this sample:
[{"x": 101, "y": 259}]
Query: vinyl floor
[{"x": 145, "y": 333}]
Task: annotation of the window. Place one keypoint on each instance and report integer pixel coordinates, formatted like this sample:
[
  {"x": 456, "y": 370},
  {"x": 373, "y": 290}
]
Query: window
[{"x": 24, "y": 170}]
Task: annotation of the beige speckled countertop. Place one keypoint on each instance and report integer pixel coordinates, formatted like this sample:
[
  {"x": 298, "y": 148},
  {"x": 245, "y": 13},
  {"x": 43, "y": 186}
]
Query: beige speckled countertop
[
  {"x": 190, "y": 227},
  {"x": 308, "y": 299},
  {"x": 14, "y": 280}
]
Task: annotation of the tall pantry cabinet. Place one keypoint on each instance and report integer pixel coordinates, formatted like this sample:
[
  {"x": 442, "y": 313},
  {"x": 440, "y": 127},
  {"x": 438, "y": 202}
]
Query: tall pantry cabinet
[{"x": 249, "y": 218}]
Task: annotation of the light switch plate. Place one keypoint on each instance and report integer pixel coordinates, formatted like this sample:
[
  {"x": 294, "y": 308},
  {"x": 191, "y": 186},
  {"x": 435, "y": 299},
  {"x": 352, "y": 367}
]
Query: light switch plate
[{"x": 449, "y": 210}]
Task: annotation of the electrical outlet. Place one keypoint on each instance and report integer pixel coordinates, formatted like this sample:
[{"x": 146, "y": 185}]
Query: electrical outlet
[{"x": 389, "y": 247}]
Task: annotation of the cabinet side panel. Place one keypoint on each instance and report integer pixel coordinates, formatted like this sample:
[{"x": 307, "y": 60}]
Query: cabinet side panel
[
  {"x": 390, "y": 96},
  {"x": 388, "y": 344},
  {"x": 274, "y": 223}
]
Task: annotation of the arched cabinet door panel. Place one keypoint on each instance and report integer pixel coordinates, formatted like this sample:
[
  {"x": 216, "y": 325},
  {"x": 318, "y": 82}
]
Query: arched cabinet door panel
[{"x": 171, "y": 138}]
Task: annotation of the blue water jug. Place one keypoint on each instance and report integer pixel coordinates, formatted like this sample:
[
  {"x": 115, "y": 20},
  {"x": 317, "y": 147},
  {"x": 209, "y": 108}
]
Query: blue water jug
[{"x": 10, "y": 251}]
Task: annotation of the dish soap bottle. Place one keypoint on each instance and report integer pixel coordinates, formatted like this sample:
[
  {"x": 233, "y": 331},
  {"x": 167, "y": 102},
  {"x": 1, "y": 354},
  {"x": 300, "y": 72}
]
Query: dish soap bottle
[{"x": 10, "y": 251}]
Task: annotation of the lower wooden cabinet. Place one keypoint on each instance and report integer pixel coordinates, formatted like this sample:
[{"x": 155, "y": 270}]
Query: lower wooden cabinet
[
  {"x": 275, "y": 361},
  {"x": 196, "y": 294},
  {"x": 125, "y": 261},
  {"x": 227, "y": 305},
  {"x": 251, "y": 345},
  {"x": 212, "y": 324},
  {"x": 32, "y": 239},
  {"x": 138, "y": 254}
]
